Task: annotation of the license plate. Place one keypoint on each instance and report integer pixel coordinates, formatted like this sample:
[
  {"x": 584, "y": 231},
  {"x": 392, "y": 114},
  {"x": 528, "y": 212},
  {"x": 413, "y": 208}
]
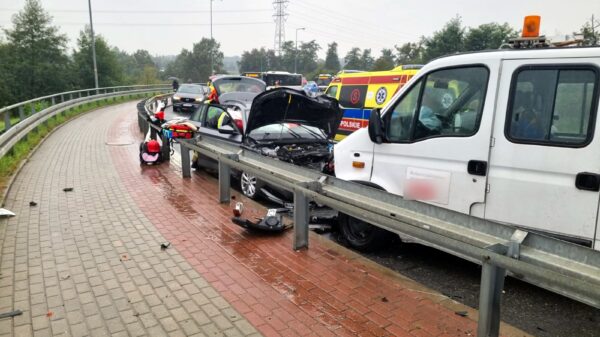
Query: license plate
[{"x": 187, "y": 105}]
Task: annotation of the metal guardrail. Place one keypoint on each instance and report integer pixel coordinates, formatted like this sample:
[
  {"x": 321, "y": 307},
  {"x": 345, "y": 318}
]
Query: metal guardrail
[
  {"x": 29, "y": 121},
  {"x": 559, "y": 266}
]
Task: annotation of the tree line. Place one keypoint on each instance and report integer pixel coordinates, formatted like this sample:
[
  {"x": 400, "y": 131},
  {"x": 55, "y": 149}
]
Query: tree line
[
  {"x": 454, "y": 37},
  {"x": 35, "y": 61}
]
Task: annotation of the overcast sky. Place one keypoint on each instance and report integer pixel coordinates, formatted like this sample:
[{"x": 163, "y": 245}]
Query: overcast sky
[{"x": 165, "y": 27}]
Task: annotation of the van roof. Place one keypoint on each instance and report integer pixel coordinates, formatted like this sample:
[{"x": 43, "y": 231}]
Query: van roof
[{"x": 516, "y": 54}]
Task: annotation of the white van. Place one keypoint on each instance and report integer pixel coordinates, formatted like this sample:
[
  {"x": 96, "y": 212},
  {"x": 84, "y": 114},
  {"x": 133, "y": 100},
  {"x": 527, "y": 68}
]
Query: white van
[{"x": 503, "y": 135}]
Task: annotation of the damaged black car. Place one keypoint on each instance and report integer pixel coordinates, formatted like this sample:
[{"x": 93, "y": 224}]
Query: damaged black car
[{"x": 291, "y": 126}]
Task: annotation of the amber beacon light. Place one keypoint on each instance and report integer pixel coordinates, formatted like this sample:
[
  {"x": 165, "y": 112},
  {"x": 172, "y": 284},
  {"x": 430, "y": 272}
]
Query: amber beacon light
[{"x": 531, "y": 26}]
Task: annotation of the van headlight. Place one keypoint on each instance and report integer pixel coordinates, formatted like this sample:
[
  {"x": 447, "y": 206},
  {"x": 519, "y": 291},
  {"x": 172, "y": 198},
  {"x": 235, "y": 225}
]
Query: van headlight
[{"x": 176, "y": 98}]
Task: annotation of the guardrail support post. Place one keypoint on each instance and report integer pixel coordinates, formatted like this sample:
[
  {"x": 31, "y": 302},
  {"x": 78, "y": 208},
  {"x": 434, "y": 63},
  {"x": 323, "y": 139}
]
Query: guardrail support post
[
  {"x": 224, "y": 182},
  {"x": 490, "y": 296},
  {"x": 53, "y": 101},
  {"x": 166, "y": 146},
  {"x": 21, "y": 113},
  {"x": 300, "y": 220},
  {"x": 32, "y": 108},
  {"x": 7, "y": 120},
  {"x": 186, "y": 166}
]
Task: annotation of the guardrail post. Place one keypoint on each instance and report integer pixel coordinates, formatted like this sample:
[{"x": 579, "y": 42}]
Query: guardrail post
[
  {"x": 21, "y": 113},
  {"x": 186, "y": 166},
  {"x": 53, "y": 102},
  {"x": 224, "y": 182},
  {"x": 301, "y": 215},
  {"x": 7, "y": 120},
  {"x": 490, "y": 296},
  {"x": 70, "y": 97},
  {"x": 166, "y": 146},
  {"x": 32, "y": 108}
]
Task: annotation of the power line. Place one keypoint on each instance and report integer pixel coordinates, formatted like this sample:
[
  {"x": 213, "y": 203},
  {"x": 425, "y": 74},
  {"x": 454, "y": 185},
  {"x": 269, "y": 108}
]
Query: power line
[
  {"x": 159, "y": 24},
  {"x": 120, "y": 11}
]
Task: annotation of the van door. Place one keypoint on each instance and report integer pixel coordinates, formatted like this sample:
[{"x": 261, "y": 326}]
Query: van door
[
  {"x": 545, "y": 163},
  {"x": 437, "y": 138}
]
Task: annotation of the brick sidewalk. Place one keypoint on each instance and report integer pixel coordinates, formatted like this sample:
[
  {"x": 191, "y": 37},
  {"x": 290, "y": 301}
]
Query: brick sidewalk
[{"x": 88, "y": 262}]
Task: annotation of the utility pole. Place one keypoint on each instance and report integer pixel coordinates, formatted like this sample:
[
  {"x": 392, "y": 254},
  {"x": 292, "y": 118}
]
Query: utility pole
[
  {"x": 280, "y": 17},
  {"x": 211, "y": 41},
  {"x": 296, "y": 53},
  {"x": 93, "y": 47}
]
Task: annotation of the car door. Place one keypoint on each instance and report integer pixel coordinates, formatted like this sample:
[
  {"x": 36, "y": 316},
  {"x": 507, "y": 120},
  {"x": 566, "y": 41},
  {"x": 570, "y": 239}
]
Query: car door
[
  {"x": 437, "y": 138},
  {"x": 545, "y": 162}
]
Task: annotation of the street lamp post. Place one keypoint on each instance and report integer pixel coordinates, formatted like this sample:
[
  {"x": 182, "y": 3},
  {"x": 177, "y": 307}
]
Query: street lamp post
[
  {"x": 296, "y": 54},
  {"x": 93, "y": 47}
]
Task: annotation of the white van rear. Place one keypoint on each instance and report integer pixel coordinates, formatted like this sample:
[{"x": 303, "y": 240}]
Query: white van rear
[{"x": 504, "y": 135}]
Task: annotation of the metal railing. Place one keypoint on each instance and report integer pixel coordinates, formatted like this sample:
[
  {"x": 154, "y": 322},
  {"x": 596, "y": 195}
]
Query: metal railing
[
  {"x": 565, "y": 268},
  {"x": 21, "y": 118}
]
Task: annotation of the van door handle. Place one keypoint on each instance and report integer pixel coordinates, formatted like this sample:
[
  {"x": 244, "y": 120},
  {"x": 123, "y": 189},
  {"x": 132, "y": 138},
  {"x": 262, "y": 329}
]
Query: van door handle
[
  {"x": 477, "y": 167},
  {"x": 588, "y": 181}
]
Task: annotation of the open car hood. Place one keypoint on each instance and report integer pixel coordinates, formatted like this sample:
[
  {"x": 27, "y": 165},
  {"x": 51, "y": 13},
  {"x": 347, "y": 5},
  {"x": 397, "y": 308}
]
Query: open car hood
[{"x": 285, "y": 105}]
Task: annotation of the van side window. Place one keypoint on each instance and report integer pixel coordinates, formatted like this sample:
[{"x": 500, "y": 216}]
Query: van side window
[
  {"x": 552, "y": 106},
  {"x": 446, "y": 103}
]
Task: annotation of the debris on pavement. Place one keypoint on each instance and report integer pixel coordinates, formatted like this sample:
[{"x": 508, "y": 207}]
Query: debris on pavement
[
  {"x": 49, "y": 313},
  {"x": 461, "y": 313},
  {"x": 384, "y": 299},
  {"x": 164, "y": 245},
  {"x": 65, "y": 277},
  {"x": 68, "y": 189},
  {"x": 6, "y": 213},
  {"x": 11, "y": 314},
  {"x": 272, "y": 222},
  {"x": 32, "y": 203}
]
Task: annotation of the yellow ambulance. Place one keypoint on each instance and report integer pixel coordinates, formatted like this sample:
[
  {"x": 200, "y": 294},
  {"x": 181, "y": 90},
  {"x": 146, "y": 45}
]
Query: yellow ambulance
[{"x": 360, "y": 92}]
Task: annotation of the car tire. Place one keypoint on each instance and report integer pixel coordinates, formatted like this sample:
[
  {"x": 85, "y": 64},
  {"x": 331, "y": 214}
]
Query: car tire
[
  {"x": 363, "y": 236},
  {"x": 250, "y": 185},
  {"x": 175, "y": 109}
]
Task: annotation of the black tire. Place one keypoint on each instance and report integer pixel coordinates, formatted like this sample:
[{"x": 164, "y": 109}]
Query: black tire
[
  {"x": 250, "y": 185},
  {"x": 363, "y": 236}
]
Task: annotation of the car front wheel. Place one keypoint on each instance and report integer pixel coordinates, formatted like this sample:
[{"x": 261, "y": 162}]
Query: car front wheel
[{"x": 250, "y": 185}]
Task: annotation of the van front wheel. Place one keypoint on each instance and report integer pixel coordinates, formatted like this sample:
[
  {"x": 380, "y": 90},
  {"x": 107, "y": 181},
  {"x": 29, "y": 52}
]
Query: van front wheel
[{"x": 363, "y": 236}]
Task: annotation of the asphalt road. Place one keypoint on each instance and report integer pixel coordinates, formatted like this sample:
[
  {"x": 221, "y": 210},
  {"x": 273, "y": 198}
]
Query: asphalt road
[{"x": 532, "y": 309}]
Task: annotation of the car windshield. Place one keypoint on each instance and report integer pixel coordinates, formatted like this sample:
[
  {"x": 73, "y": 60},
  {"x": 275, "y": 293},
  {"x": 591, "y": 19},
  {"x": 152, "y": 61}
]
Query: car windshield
[
  {"x": 287, "y": 131},
  {"x": 191, "y": 89},
  {"x": 324, "y": 81},
  {"x": 238, "y": 84},
  {"x": 283, "y": 79}
]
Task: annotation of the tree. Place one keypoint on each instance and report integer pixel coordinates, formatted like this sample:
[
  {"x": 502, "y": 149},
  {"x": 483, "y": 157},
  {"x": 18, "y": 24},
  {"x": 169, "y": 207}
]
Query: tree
[
  {"x": 488, "y": 36},
  {"x": 254, "y": 60},
  {"x": 449, "y": 40},
  {"x": 142, "y": 58},
  {"x": 36, "y": 52},
  {"x": 332, "y": 60},
  {"x": 353, "y": 59},
  {"x": 366, "y": 60},
  {"x": 194, "y": 65},
  {"x": 591, "y": 37},
  {"x": 409, "y": 53},
  {"x": 307, "y": 57},
  {"x": 385, "y": 61},
  {"x": 110, "y": 72},
  {"x": 6, "y": 95}
]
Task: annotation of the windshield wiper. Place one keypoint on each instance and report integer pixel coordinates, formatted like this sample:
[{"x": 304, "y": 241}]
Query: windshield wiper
[{"x": 312, "y": 132}]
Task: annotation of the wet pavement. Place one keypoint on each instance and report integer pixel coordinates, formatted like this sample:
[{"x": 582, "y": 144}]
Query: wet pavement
[{"x": 215, "y": 279}]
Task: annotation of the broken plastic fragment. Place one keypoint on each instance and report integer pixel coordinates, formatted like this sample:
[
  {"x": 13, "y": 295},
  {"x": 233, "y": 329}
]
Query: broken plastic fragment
[{"x": 6, "y": 213}]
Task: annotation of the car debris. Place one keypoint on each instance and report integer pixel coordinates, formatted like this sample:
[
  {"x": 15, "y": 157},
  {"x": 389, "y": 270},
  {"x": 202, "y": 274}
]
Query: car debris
[
  {"x": 11, "y": 314},
  {"x": 272, "y": 222}
]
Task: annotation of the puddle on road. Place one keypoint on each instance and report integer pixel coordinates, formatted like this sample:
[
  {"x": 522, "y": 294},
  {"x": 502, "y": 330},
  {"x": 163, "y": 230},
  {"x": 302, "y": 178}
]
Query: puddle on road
[{"x": 179, "y": 201}]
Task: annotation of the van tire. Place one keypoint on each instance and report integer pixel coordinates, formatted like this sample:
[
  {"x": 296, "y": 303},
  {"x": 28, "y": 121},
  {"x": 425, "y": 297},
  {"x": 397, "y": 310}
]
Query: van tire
[{"x": 363, "y": 236}]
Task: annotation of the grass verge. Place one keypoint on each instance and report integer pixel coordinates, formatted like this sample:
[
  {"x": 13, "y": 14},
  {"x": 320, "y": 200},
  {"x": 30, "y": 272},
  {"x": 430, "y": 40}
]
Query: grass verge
[{"x": 11, "y": 162}]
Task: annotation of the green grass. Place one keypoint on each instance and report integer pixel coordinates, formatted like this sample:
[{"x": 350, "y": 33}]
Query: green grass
[{"x": 10, "y": 162}]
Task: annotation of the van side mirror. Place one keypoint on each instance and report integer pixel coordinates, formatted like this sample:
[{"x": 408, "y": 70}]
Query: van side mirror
[{"x": 376, "y": 127}]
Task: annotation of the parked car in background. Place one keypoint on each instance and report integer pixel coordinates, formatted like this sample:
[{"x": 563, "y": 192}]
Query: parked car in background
[{"x": 188, "y": 97}]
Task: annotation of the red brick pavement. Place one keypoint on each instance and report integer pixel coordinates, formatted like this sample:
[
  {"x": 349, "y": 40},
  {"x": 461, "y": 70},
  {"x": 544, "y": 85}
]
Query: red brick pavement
[{"x": 323, "y": 291}]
